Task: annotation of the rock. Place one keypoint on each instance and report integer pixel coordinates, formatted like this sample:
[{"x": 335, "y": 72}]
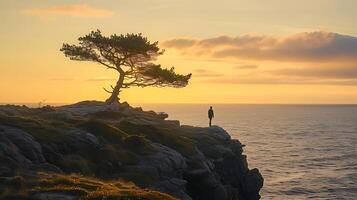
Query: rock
[
  {"x": 10, "y": 154},
  {"x": 47, "y": 168},
  {"x": 51, "y": 154},
  {"x": 175, "y": 187},
  {"x": 236, "y": 146},
  {"x": 88, "y": 107},
  {"x": 214, "y": 132},
  {"x": 162, "y": 115},
  {"x": 219, "y": 133},
  {"x": 253, "y": 182},
  {"x": 167, "y": 162},
  {"x": 54, "y": 196},
  {"x": 222, "y": 151},
  {"x": 201, "y": 163},
  {"x": 58, "y": 115},
  {"x": 203, "y": 184},
  {"x": 173, "y": 123},
  {"x": 30, "y": 148},
  {"x": 82, "y": 139}
]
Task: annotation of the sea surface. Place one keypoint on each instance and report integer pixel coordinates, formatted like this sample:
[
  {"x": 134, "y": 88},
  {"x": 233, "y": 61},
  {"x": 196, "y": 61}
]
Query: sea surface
[{"x": 303, "y": 151}]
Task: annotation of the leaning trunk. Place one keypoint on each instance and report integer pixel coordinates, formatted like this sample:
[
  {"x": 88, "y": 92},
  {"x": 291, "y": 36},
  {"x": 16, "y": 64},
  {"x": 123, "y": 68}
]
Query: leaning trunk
[{"x": 114, "y": 97}]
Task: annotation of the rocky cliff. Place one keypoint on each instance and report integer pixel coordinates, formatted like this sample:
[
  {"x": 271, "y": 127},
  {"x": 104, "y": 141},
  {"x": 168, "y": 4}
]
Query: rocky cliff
[{"x": 114, "y": 144}]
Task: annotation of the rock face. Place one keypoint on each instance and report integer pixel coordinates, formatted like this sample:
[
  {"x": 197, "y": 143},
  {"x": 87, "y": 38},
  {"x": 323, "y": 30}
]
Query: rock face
[{"x": 120, "y": 142}]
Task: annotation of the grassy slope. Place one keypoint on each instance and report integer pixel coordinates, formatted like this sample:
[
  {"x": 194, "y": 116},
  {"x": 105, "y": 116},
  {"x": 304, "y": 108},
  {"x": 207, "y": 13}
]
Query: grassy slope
[{"x": 87, "y": 188}]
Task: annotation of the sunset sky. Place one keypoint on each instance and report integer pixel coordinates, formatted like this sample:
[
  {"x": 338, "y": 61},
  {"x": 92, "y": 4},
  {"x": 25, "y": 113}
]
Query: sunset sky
[{"x": 251, "y": 51}]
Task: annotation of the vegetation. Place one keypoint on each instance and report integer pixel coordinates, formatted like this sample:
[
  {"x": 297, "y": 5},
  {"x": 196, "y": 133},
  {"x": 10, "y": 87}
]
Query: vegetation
[
  {"x": 163, "y": 135},
  {"x": 40, "y": 129},
  {"x": 130, "y": 55},
  {"x": 104, "y": 130},
  {"x": 85, "y": 188}
]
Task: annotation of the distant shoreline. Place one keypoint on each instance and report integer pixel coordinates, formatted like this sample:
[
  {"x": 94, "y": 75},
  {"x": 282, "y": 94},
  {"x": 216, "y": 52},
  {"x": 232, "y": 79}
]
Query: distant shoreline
[{"x": 178, "y": 104}]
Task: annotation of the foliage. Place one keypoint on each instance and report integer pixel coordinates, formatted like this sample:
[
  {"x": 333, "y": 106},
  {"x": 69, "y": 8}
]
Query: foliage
[{"x": 131, "y": 55}]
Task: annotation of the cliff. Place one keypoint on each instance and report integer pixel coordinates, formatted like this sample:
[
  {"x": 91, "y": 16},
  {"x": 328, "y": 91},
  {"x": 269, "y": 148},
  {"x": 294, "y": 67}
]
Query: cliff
[{"x": 91, "y": 150}]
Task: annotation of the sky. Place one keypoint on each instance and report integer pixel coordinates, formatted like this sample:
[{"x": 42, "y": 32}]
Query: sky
[{"x": 239, "y": 51}]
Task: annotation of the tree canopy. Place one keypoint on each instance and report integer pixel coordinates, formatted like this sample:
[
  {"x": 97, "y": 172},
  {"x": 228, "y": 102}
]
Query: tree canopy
[{"x": 131, "y": 55}]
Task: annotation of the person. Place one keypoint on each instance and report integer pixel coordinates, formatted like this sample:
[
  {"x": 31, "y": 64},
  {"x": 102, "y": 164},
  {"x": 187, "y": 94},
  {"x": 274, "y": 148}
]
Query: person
[{"x": 210, "y": 115}]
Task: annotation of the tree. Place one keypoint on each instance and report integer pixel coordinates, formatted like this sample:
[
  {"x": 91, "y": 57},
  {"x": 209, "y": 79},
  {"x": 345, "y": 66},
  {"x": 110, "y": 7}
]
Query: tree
[{"x": 131, "y": 55}]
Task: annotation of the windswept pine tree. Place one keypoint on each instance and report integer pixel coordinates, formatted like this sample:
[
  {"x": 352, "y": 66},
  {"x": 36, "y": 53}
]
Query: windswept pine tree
[{"x": 131, "y": 55}]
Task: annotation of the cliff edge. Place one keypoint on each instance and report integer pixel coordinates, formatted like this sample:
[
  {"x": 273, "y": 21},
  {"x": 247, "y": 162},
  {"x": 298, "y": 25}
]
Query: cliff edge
[{"x": 91, "y": 150}]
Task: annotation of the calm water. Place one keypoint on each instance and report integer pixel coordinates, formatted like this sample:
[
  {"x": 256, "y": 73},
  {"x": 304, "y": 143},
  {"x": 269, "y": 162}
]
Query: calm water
[{"x": 303, "y": 152}]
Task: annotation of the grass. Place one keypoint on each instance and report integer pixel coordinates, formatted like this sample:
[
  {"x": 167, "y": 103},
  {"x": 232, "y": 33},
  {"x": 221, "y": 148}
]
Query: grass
[
  {"x": 140, "y": 178},
  {"x": 138, "y": 144},
  {"x": 75, "y": 163},
  {"x": 12, "y": 188},
  {"x": 163, "y": 135},
  {"x": 101, "y": 129},
  {"x": 81, "y": 187},
  {"x": 112, "y": 153},
  {"x": 38, "y": 128}
]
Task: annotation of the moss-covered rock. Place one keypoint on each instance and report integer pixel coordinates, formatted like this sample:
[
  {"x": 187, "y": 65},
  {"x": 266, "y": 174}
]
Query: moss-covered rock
[{"x": 114, "y": 142}]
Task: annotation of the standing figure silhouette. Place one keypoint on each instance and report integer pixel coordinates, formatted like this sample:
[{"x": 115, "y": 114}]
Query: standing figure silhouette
[{"x": 210, "y": 115}]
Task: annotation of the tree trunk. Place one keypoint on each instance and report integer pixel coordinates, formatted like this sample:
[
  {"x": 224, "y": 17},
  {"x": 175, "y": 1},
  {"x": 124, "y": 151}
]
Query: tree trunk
[{"x": 115, "y": 93}]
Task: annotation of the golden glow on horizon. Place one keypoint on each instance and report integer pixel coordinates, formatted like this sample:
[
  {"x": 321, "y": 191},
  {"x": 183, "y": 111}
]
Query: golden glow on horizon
[{"x": 33, "y": 69}]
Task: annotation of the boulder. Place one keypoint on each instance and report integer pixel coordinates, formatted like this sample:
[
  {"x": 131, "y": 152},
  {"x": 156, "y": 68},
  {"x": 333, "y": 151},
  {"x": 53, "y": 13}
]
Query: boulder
[
  {"x": 27, "y": 145},
  {"x": 88, "y": 107},
  {"x": 203, "y": 184},
  {"x": 167, "y": 162},
  {"x": 253, "y": 182},
  {"x": 173, "y": 186}
]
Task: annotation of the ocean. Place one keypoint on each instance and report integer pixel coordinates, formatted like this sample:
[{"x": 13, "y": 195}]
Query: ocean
[{"x": 302, "y": 151}]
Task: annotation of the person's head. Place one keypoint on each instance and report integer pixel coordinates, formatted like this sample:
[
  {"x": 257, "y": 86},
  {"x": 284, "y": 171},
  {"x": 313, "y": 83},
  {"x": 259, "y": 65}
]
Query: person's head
[{"x": 210, "y": 107}]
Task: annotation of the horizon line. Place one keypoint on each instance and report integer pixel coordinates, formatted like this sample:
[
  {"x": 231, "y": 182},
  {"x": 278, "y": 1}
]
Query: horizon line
[{"x": 192, "y": 103}]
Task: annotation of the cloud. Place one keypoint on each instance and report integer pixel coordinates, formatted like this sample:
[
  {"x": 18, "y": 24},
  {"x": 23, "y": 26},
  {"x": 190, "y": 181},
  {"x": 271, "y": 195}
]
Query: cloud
[
  {"x": 61, "y": 79},
  {"x": 303, "y": 47},
  {"x": 73, "y": 10},
  {"x": 179, "y": 43},
  {"x": 279, "y": 81},
  {"x": 334, "y": 72},
  {"x": 246, "y": 67},
  {"x": 205, "y": 73},
  {"x": 308, "y": 58}
]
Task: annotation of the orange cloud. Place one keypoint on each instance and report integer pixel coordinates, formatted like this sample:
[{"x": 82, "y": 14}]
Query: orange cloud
[
  {"x": 75, "y": 10},
  {"x": 246, "y": 67},
  {"x": 205, "y": 73},
  {"x": 318, "y": 72},
  {"x": 303, "y": 47}
]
